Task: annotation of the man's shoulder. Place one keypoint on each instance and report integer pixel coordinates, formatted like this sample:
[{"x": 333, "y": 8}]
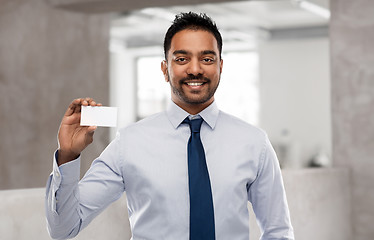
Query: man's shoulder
[
  {"x": 153, "y": 121},
  {"x": 238, "y": 125}
]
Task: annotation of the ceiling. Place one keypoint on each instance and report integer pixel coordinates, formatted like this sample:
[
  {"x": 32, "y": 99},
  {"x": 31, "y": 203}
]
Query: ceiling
[{"x": 238, "y": 21}]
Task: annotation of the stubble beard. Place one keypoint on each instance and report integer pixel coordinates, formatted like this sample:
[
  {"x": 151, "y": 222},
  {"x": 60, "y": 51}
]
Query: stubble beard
[{"x": 178, "y": 91}]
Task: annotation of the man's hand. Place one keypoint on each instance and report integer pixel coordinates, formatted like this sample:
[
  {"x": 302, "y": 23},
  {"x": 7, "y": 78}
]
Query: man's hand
[{"x": 72, "y": 137}]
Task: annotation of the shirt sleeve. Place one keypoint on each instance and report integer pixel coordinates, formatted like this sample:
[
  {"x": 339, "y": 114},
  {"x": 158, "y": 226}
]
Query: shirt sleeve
[
  {"x": 71, "y": 204},
  {"x": 268, "y": 198}
]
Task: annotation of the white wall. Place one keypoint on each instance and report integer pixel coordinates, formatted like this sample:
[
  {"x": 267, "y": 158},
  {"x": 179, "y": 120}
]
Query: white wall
[{"x": 295, "y": 96}]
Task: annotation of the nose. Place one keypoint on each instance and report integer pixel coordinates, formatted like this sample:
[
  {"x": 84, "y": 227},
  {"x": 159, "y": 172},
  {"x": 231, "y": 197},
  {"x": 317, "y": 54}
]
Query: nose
[{"x": 194, "y": 67}]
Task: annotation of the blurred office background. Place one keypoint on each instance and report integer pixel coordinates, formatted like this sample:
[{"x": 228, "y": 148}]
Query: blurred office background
[
  {"x": 301, "y": 70},
  {"x": 276, "y": 70}
]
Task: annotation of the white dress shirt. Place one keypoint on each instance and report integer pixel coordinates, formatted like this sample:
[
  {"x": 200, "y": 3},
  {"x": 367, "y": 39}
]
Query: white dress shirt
[{"x": 148, "y": 160}]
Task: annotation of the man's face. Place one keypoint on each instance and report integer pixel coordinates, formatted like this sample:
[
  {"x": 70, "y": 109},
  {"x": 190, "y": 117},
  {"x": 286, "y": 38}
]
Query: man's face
[{"x": 193, "y": 68}]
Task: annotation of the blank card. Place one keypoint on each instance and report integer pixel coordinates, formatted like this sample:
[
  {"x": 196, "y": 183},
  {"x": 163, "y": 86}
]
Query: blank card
[{"x": 99, "y": 116}]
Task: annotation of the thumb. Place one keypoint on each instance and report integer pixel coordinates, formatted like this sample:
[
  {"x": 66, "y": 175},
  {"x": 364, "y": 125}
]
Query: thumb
[
  {"x": 89, "y": 134},
  {"x": 91, "y": 129}
]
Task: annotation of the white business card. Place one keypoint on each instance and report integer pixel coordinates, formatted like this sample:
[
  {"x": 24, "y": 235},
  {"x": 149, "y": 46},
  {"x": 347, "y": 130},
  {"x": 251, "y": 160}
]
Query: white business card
[{"x": 99, "y": 116}]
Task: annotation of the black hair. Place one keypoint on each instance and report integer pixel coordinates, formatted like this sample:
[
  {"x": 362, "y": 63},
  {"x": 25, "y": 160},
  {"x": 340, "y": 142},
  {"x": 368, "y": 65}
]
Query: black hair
[{"x": 193, "y": 21}]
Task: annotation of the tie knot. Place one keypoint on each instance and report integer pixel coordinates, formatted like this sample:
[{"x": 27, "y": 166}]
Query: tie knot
[{"x": 195, "y": 124}]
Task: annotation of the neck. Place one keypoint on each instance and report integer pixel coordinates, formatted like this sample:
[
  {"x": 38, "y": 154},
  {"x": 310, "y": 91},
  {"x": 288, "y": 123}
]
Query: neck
[{"x": 194, "y": 109}]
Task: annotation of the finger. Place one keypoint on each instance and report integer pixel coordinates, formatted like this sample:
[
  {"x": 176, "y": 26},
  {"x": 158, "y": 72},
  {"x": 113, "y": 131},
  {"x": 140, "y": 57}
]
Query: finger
[
  {"x": 73, "y": 119},
  {"x": 91, "y": 129},
  {"x": 91, "y": 102},
  {"x": 99, "y": 104},
  {"x": 80, "y": 102},
  {"x": 72, "y": 107},
  {"x": 88, "y": 102},
  {"x": 85, "y": 101}
]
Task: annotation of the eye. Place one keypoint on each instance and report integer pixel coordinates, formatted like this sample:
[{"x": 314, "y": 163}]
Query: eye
[
  {"x": 208, "y": 60},
  {"x": 181, "y": 59}
]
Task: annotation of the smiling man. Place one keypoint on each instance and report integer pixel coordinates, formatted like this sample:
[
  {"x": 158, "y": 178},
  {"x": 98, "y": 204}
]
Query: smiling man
[
  {"x": 188, "y": 172},
  {"x": 193, "y": 67}
]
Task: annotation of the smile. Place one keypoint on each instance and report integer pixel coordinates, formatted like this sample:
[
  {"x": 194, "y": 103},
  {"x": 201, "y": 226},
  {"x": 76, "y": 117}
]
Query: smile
[{"x": 194, "y": 84}]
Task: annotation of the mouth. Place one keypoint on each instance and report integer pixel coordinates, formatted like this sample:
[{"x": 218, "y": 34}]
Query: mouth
[
  {"x": 195, "y": 86},
  {"x": 195, "y": 83}
]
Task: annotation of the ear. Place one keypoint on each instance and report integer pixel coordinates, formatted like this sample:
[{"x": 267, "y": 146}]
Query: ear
[
  {"x": 164, "y": 69},
  {"x": 221, "y": 66}
]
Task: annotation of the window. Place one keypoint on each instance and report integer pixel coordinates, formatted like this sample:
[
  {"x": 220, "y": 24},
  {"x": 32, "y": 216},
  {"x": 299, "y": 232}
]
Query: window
[
  {"x": 238, "y": 93},
  {"x": 153, "y": 93}
]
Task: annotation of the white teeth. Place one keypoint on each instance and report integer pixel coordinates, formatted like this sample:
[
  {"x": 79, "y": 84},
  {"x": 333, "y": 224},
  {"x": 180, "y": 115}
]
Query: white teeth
[{"x": 194, "y": 84}]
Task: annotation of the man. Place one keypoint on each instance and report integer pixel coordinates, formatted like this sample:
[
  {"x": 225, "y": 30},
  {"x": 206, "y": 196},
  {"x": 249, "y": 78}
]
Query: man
[{"x": 188, "y": 172}]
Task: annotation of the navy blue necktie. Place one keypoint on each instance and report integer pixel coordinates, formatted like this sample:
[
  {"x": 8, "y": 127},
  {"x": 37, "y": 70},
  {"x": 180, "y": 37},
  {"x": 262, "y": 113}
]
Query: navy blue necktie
[{"x": 201, "y": 203}]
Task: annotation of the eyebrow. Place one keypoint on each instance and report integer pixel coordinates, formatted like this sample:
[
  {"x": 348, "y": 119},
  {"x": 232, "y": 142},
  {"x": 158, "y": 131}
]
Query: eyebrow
[
  {"x": 205, "y": 52},
  {"x": 180, "y": 52}
]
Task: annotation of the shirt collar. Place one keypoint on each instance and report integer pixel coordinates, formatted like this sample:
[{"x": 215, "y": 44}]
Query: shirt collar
[{"x": 176, "y": 114}]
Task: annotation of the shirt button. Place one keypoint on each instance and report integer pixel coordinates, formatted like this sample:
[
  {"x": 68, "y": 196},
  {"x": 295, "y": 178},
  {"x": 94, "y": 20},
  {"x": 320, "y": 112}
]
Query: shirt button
[{"x": 57, "y": 174}]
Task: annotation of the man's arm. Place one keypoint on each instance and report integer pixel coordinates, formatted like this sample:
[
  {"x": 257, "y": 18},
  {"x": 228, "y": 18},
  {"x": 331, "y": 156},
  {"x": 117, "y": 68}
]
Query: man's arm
[
  {"x": 268, "y": 198},
  {"x": 71, "y": 204},
  {"x": 60, "y": 201}
]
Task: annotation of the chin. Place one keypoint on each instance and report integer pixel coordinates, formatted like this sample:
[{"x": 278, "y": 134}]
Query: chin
[{"x": 194, "y": 101}]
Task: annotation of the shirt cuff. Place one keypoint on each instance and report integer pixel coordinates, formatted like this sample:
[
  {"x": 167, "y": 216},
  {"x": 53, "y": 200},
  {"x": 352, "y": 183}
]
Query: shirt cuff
[{"x": 66, "y": 173}]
